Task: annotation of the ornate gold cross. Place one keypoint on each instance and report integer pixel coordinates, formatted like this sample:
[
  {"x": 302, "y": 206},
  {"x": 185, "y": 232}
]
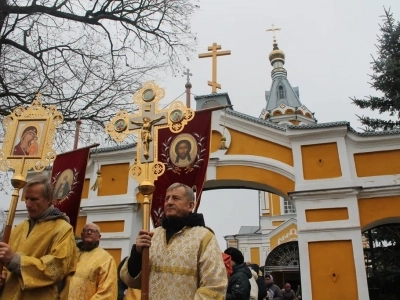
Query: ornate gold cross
[
  {"x": 214, "y": 53},
  {"x": 147, "y": 121},
  {"x": 273, "y": 29}
]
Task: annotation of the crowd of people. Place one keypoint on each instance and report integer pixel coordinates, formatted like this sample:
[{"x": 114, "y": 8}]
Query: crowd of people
[{"x": 43, "y": 261}]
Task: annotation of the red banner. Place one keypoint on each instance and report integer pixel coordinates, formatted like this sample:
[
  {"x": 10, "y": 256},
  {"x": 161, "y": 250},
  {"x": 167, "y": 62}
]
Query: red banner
[
  {"x": 185, "y": 156},
  {"x": 68, "y": 176}
]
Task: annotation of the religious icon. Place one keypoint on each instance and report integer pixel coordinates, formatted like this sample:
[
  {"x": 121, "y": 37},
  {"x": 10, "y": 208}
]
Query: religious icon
[
  {"x": 148, "y": 95},
  {"x": 176, "y": 116},
  {"x": 120, "y": 125},
  {"x": 63, "y": 184},
  {"x": 146, "y": 132},
  {"x": 183, "y": 150},
  {"x": 28, "y": 142}
]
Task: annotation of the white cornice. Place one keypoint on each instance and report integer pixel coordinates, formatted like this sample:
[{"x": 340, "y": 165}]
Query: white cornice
[
  {"x": 380, "y": 191},
  {"x": 257, "y": 162},
  {"x": 325, "y": 194},
  {"x": 316, "y": 133}
]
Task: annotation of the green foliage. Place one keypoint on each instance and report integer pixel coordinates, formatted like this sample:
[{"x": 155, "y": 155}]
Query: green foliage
[{"x": 386, "y": 78}]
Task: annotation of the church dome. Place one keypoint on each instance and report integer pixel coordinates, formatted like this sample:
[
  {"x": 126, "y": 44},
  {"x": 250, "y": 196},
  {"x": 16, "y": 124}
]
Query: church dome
[{"x": 276, "y": 54}]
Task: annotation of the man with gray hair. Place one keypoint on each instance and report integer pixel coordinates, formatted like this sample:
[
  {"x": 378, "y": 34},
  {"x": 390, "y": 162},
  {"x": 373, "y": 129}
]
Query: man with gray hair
[
  {"x": 41, "y": 254},
  {"x": 96, "y": 271},
  {"x": 185, "y": 259}
]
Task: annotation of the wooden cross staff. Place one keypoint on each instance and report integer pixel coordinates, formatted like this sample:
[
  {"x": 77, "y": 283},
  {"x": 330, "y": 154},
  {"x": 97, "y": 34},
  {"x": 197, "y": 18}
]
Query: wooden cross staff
[{"x": 146, "y": 167}]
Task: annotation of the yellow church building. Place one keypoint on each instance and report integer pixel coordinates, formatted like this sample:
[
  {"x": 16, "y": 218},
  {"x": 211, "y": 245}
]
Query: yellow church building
[{"x": 321, "y": 186}]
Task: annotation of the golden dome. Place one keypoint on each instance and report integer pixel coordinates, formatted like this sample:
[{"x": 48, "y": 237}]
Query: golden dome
[{"x": 276, "y": 54}]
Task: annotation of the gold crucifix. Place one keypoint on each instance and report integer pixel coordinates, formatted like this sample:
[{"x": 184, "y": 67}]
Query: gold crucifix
[
  {"x": 273, "y": 29},
  {"x": 214, "y": 53}
]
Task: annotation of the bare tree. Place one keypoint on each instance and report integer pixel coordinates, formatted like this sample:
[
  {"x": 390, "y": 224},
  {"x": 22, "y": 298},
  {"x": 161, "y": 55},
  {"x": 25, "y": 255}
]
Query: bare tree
[{"x": 88, "y": 57}]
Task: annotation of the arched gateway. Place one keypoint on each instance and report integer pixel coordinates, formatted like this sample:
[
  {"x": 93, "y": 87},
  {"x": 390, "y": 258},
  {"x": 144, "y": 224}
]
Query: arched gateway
[{"x": 341, "y": 182}]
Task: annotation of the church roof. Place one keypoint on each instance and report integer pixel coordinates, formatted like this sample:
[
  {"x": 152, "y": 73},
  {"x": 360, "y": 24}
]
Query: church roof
[
  {"x": 113, "y": 148},
  {"x": 288, "y": 96},
  {"x": 249, "y": 229}
]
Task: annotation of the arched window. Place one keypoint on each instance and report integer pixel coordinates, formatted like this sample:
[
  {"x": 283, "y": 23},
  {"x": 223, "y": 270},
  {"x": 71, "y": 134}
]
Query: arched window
[{"x": 281, "y": 92}]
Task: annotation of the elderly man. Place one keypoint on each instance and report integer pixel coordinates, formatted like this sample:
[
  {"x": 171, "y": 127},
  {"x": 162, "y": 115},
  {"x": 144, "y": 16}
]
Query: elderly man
[
  {"x": 96, "y": 271},
  {"x": 185, "y": 259},
  {"x": 41, "y": 254}
]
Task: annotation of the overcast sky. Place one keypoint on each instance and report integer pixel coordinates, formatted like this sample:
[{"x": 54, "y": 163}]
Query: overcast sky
[{"x": 328, "y": 47}]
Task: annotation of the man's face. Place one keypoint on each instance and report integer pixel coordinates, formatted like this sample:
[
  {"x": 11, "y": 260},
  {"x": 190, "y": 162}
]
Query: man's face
[
  {"x": 90, "y": 234},
  {"x": 268, "y": 280},
  {"x": 34, "y": 200},
  {"x": 183, "y": 150},
  {"x": 176, "y": 204}
]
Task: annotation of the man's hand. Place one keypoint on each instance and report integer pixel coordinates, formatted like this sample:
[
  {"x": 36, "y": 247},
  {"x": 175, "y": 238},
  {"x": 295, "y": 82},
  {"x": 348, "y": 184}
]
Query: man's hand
[
  {"x": 3, "y": 278},
  {"x": 143, "y": 240},
  {"x": 6, "y": 253}
]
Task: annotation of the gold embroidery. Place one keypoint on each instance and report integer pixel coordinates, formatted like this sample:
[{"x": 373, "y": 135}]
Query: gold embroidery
[
  {"x": 174, "y": 270},
  {"x": 210, "y": 293}
]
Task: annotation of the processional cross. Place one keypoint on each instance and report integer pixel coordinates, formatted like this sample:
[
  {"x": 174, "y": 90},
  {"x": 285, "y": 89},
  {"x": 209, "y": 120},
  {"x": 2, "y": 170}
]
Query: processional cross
[
  {"x": 214, "y": 53},
  {"x": 146, "y": 168}
]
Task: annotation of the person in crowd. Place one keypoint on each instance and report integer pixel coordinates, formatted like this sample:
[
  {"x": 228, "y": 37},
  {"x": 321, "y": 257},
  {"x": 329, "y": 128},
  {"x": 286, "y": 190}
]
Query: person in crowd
[
  {"x": 185, "y": 259},
  {"x": 262, "y": 289},
  {"x": 273, "y": 291},
  {"x": 41, "y": 254},
  {"x": 239, "y": 282},
  {"x": 288, "y": 293},
  {"x": 253, "y": 282},
  {"x": 96, "y": 271}
]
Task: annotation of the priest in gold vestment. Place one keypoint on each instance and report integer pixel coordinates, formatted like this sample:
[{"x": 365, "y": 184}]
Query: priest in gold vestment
[
  {"x": 185, "y": 258},
  {"x": 96, "y": 271},
  {"x": 41, "y": 255}
]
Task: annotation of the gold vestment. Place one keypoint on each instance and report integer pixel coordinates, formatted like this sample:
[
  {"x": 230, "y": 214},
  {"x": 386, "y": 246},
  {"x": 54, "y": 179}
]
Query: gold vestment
[
  {"x": 95, "y": 277},
  {"x": 48, "y": 255},
  {"x": 190, "y": 266}
]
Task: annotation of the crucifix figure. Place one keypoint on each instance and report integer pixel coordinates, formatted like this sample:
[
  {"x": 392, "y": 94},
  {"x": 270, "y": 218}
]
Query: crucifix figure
[
  {"x": 273, "y": 29},
  {"x": 145, "y": 122},
  {"x": 214, "y": 53},
  {"x": 146, "y": 132}
]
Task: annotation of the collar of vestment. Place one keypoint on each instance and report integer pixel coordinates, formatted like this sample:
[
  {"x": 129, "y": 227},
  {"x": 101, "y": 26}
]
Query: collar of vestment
[
  {"x": 192, "y": 220},
  {"x": 89, "y": 248},
  {"x": 174, "y": 225}
]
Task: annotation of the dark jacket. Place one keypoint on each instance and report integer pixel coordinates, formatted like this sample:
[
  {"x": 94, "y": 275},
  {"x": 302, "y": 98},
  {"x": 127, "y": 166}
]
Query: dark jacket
[
  {"x": 239, "y": 284},
  {"x": 276, "y": 291},
  {"x": 262, "y": 288}
]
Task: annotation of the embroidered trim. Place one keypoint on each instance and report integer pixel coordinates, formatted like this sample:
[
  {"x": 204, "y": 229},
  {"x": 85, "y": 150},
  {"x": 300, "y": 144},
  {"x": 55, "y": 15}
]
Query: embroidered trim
[
  {"x": 174, "y": 270},
  {"x": 210, "y": 293}
]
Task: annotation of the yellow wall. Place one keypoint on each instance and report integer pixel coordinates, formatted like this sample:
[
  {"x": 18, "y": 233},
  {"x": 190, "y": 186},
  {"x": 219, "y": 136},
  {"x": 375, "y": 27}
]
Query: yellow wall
[
  {"x": 375, "y": 209},
  {"x": 115, "y": 253},
  {"x": 80, "y": 223},
  {"x": 279, "y": 182},
  {"x": 215, "y": 141},
  {"x": 85, "y": 190},
  {"x": 327, "y": 214},
  {"x": 255, "y": 255},
  {"x": 114, "y": 179},
  {"x": 320, "y": 161},
  {"x": 283, "y": 236},
  {"x": 242, "y": 143},
  {"x": 111, "y": 226},
  {"x": 276, "y": 204},
  {"x": 277, "y": 223},
  {"x": 377, "y": 163},
  {"x": 328, "y": 258}
]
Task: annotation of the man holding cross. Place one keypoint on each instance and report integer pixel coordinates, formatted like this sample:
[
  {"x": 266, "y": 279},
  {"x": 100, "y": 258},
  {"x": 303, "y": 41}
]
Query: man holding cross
[{"x": 185, "y": 259}]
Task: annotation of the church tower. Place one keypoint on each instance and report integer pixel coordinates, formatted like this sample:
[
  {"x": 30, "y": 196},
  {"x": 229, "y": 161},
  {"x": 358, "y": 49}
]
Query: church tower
[{"x": 283, "y": 101}]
